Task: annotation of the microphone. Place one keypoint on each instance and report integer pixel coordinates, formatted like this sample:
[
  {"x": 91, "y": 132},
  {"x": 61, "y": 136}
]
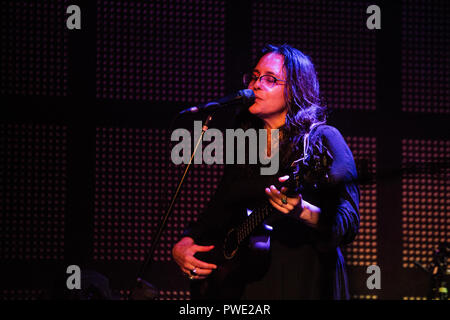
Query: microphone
[{"x": 245, "y": 97}]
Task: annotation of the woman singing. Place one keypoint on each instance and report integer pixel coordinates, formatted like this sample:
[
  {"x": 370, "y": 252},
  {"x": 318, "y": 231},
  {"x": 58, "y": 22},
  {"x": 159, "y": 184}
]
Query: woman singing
[{"x": 296, "y": 252}]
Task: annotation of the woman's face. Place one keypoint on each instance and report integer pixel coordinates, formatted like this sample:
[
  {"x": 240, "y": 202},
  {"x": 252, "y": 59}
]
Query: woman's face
[{"x": 269, "y": 103}]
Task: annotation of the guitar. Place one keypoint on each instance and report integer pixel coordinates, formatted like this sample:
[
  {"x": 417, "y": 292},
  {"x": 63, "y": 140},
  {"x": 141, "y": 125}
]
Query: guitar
[{"x": 308, "y": 172}]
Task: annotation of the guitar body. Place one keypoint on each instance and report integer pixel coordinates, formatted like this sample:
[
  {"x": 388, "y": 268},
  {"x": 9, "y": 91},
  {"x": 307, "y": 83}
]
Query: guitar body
[{"x": 225, "y": 282}]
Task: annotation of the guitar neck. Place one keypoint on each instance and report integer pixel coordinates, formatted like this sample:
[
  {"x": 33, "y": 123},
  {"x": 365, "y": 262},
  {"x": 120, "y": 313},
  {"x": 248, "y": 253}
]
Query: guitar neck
[
  {"x": 311, "y": 170},
  {"x": 252, "y": 222}
]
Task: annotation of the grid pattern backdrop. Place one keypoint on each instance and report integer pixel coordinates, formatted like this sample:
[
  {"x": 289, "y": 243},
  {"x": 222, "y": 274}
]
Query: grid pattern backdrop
[
  {"x": 333, "y": 35},
  {"x": 33, "y": 191},
  {"x": 425, "y": 59},
  {"x": 160, "y": 50},
  {"x": 98, "y": 170},
  {"x": 134, "y": 180},
  {"x": 363, "y": 250},
  {"x": 425, "y": 203},
  {"x": 34, "y": 59}
]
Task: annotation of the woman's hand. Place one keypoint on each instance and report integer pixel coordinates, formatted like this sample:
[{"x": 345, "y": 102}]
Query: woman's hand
[
  {"x": 183, "y": 253},
  {"x": 294, "y": 206}
]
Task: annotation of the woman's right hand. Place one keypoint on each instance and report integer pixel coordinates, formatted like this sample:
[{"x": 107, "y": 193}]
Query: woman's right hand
[{"x": 183, "y": 253}]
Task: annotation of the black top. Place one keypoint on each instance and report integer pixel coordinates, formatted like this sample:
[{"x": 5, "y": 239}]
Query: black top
[{"x": 303, "y": 262}]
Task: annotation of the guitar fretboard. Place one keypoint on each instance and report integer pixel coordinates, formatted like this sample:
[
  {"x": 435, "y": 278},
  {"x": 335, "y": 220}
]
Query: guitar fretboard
[
  {"x": 254, "y": 220},
  {"x": 315, "y": 166}
]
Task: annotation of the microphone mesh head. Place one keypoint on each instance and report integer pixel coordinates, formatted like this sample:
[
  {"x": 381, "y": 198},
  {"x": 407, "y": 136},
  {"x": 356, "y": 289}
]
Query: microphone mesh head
[{"x": 248, "y": 96}]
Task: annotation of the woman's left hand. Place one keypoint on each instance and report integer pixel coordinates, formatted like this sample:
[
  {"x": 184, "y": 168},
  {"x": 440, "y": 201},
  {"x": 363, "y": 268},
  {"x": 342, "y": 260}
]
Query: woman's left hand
[
  {"x": 294, "y": 206},
  {"x": 281, "y": 202}
]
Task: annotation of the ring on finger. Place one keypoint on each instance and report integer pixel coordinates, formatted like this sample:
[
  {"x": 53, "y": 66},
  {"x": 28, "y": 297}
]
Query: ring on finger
[
  {"x": 193, "y": 272},
  {"x": 284, "y": 199}
]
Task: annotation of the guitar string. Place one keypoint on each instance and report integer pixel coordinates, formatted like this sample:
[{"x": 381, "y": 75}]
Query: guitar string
[
  {"x": 247, "y": 226},
  {"x": 257, "y": 216}
]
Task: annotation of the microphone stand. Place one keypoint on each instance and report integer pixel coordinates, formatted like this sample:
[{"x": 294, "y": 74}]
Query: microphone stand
[{"x": 144, "y": 290}]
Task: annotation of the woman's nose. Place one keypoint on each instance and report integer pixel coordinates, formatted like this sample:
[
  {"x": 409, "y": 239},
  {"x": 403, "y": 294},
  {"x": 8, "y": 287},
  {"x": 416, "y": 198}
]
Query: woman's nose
[{"x": 256, "y": 84}]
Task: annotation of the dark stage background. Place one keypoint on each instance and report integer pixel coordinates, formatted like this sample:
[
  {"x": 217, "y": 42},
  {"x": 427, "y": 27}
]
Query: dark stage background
[{"x": 85, "y": 170}]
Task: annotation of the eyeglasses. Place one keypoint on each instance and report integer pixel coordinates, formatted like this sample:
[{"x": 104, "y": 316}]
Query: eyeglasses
[{"x": 266, "y": 80}]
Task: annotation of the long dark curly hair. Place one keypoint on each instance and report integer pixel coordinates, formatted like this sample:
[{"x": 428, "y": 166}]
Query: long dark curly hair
[{"x": 302, "y": 95}]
